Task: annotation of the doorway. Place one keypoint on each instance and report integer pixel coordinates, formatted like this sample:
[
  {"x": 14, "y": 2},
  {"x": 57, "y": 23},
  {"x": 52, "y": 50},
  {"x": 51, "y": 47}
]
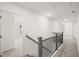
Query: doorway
[
  {"x": 7, "y": 31},
  {"x": 68, "y": 30}
]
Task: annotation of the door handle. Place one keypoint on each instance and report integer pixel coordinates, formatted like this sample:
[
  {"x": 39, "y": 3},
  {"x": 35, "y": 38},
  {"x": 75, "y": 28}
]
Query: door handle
[{"x": 0, "y": 36}]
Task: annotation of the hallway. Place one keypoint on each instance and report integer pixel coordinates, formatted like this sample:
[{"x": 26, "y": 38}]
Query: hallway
[
  {"x": 68, "y": 49},
  {"x": 38, "y": 29}
]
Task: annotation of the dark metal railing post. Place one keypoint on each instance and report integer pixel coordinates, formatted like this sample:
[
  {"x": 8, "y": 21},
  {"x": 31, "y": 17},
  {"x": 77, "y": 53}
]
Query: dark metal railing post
[
  {"x": 0, "y": 56},
  {"x": 62, "y": 37},
  {"x": 40, "y": 49},
  {"x": 56, "y": 42}
]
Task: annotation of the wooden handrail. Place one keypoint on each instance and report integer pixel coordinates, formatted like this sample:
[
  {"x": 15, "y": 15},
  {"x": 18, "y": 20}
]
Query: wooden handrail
[{"x": 37, "y": 43}]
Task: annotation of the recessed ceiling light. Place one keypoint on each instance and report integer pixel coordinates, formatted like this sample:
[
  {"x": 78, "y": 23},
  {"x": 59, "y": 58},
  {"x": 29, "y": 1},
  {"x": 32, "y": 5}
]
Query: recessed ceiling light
[
  {"x": 65, "y": 19},
  {"x": 48, "y": 14}
]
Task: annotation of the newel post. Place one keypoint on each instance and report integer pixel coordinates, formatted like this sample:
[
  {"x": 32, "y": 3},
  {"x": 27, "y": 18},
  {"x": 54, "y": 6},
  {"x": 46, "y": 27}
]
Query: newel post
[
  {"x": 62, "y": 37},
  {"x": 0, "y": 56},
  {"x": 40, "y": 49},
  {"x": 56, "y": 41}
]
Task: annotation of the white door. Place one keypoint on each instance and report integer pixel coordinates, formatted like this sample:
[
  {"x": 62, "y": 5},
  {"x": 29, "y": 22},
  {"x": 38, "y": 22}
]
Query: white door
[
  {"x": 68, "y": 30},
  {"x": 6, "y": 31}
]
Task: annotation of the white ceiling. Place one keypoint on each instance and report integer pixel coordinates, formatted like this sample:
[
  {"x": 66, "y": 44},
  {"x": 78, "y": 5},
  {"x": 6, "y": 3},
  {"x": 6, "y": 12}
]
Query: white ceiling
[{"x": 57, "y": 10}]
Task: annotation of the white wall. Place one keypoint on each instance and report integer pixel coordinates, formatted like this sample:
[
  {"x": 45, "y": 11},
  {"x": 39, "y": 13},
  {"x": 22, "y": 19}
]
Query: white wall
[
  {"x": 77, "y": 33},
  {"x": 0, "y": 34},
  {"x": 32, "y": 24}
]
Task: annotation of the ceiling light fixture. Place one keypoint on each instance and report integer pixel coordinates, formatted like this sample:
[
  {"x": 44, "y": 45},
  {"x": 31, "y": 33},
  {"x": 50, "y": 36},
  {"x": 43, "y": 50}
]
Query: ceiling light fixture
[
  {"x": 72, "y": 6},
  {"x": 48, "y": 15},
  {"x": 65, "y": 20},
  {"x": 73, "y": 11}
]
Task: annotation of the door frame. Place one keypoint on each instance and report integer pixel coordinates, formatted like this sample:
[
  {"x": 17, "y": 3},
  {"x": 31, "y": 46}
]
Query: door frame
[{"x": 0, "y": 26}]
